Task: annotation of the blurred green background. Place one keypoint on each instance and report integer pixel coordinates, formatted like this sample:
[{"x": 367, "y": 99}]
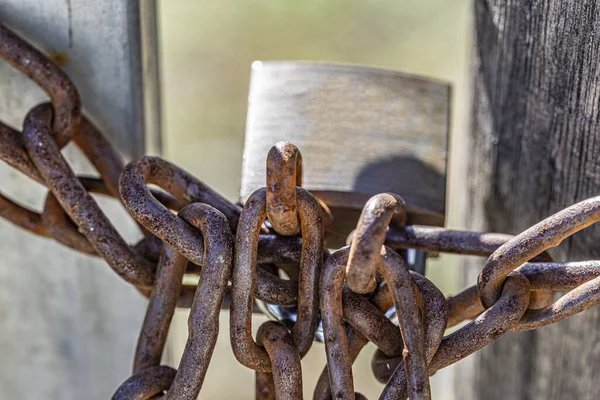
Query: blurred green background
[{"x": 206, "y": 49}]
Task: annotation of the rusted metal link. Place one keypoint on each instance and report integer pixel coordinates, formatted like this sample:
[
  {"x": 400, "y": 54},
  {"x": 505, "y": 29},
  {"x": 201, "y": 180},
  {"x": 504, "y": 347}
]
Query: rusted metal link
[
  {"x": 109, "y": 164},
  {"x": 78, "y": 203},
  {"x": 435, "y": 316},
  {"x": 149, "y": 212},
  {"x": 203, "y": 323},
  {"x": 464, "y": 306},
  {"x": 435, "y": 239},
  {"x": 323, "y": 391},
  {"x": 275, "y": 249},
  {"x": 366, "y": 318},
  {"x": 369, "y": 236},
  {"x": 50, "y": 223},
  {"x": 560, "y": 276},
  {"x": 101, "y": 154},
  {"x": 14, "y": 153},
  {"x": 245, "y": 349},
  {"x": 489, "y": 326},
  {"x": 356, "y": 342},
  {"x": 264, "y": 386},
  {"x": 61, "y": 228},
  {"x": 96, "y": 148},
  {"x": 274, "y": 290},
  {"x": 284, "y": 174},
  {"x": 398, "y": 277},
  {"x": 382, "y": 299},
  {"x": 269, "y": 288},
  {"x": 146, "y": 384},
  {"x": 53, "y": 80},
  {"x": 160, "y": 310},
  {"x": 515, "y": 289},
  {"x": 53, "y": 222},
  {"x": 285, "y": 360},
  {"x": 582, "y": 281},
  {"x": 579, "y": 299},
  {"x": 542, "y": 277},
  {"x": 67, "y": 123},
  {"x": 531, "y": 242}
]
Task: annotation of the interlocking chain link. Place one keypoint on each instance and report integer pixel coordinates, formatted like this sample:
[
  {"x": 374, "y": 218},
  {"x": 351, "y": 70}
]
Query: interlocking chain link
[{"x": 240, "y": 254}]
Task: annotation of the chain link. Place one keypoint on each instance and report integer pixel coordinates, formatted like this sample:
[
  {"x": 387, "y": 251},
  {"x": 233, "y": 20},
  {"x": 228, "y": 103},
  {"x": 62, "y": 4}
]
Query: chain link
[{"x": 238, "y": 256}]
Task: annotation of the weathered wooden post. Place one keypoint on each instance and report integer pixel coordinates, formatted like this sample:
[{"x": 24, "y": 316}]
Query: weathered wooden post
[{"x": 535, "y": 149}]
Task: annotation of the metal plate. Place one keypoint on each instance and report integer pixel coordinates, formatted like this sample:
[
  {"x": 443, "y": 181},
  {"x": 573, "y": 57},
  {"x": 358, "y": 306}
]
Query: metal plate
[{"x": 360, "y": 130}]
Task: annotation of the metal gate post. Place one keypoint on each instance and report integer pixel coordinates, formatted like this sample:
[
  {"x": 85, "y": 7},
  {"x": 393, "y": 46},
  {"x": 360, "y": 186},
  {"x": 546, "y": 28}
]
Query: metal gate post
[{"x": 69, "y": 324}]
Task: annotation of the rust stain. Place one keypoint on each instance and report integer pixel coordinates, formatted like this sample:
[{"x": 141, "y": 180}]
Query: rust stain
[{"x": 59, "y": 58}]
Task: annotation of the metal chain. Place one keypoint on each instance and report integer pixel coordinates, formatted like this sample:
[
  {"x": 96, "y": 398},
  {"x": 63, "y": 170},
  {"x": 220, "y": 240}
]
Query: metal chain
[{"x": 190, "y": 228}]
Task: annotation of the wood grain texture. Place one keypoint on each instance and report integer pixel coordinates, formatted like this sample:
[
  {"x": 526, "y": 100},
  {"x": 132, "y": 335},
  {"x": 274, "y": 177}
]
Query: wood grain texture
[{"x": 535, "y": 150}]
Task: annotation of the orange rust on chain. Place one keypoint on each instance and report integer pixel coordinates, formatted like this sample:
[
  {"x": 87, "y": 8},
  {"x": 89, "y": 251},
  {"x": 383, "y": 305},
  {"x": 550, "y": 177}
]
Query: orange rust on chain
[
  {"x": 160, "y": 310},
  {"x": 49, "y": 77},
  {"x": 285, "y": 360},
  {"x": 338, "y": 357},
  {"x": 434, "y": 312},
  {"x": 51, "y": 223},
  {"x": 489, "y": 326},
  {"x": 532, "y": 242},
  {"x": 369, "y": 236},
  {"x": 146, "y": 384},
  {"x": 14, "y": 153},
  {"x": 356, "y": 342},
  {"x": 580, "y": 279},
  {"x": 464, "y": 306},
  {"x": 203, "y": 322},
  {"x": 78, "y": 203},
  {"x": 366, "y": 318},
  {"x": 264, "y": 386},
  {"x": 284, "y": 174},
  {"x": 244, "y": 347},
  {"x": 149, "y": 212},
  {"x": 100, "y": 153},
  {"x": 161, "y": 222},
  {"x": 543, "y": 277},
  {"x": 58, "y": 225}
]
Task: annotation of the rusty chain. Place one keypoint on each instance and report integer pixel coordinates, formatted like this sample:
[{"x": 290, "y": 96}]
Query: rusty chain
[{"x": 239, "y": 253}]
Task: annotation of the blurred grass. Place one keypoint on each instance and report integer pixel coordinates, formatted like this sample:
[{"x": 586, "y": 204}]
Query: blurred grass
[{"x": 206, "y": 50}]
